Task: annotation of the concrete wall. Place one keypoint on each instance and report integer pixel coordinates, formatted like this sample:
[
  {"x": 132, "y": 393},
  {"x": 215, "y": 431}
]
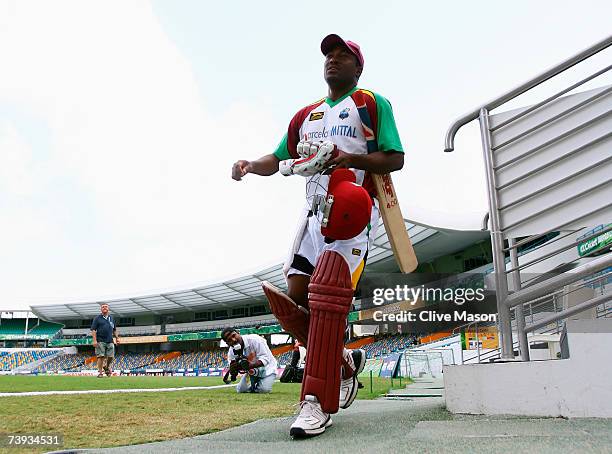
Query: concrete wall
[{"x": 580, "y": 386}]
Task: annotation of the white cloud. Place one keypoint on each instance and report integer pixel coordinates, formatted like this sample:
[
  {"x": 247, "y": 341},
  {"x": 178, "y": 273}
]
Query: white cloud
[{"x": 147, "y": 164}]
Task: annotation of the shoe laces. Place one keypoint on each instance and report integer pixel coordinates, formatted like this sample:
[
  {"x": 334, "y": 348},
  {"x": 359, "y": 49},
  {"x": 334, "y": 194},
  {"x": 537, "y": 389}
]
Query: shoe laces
[{"x": 308, "y": 407}]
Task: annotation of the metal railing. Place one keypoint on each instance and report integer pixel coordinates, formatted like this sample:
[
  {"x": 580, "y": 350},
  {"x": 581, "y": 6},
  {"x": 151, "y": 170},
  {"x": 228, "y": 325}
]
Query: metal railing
[
  {"x": 449, "y": 143},
  {"x": 535, "y": 187},
  {"x": 496, "y": 353}
]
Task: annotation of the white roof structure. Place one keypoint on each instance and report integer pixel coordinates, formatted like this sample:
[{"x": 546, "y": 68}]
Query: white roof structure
[{"x": 429, "y": 243}]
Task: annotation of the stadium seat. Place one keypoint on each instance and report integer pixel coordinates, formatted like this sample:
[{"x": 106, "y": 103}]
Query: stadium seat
[{"x": 11, "y": 361}]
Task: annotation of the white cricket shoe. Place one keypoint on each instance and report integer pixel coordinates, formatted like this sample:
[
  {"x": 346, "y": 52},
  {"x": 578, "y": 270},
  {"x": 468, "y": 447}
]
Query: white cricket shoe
[
  {"x": 349, "y": 386},
  {"x": 311, "y": 420}
]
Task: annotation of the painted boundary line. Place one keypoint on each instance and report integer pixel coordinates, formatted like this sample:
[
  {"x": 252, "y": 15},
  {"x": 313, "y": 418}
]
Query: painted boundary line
[{"x": 113, "y": 391}]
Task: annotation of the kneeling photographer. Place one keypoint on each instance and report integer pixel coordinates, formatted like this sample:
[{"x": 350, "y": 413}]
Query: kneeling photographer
[{"x": 250, "y": 356}]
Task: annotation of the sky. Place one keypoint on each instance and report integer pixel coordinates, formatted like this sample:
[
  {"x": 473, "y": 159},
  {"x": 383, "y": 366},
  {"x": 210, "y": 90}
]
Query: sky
[{"x": 120, "y": 121}]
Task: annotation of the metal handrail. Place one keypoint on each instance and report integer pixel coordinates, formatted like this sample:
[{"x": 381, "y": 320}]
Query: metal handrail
[
  {"x": 491, "y": 354},
  {"x": 558, "y": 138},
  {"x": 570, "y": 154},
  {"x": 554, "y": 184},
  {"x": 544, "y": 298},
  {"x": 558, "y": 281},
  {"x": 531, "y": 238},
  {"x": 552, "y": 119},
  {"x": 548, "y": 320},
  {"x": 557, "y": 251},
  {"x": 604, "y": 313},
  {"x": 439, "y": 340},
  {"x": 549, "y": 99},
  {"x": 449, "y": 143},
  {"x": 465, "y": 325},
  {"x": 488, "y": 355},
  {"x": 569, "y": 312}
]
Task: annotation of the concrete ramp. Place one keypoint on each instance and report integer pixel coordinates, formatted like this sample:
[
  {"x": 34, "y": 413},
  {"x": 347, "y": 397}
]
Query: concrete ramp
[
  {"x": 420, "y": 425},
  {"x": 420, "y": 387},
  {"x": 366, "y": 426}
]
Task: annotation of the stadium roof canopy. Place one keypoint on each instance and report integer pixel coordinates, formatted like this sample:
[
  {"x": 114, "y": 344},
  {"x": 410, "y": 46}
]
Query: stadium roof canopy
[{"x": 428, "y": 242}]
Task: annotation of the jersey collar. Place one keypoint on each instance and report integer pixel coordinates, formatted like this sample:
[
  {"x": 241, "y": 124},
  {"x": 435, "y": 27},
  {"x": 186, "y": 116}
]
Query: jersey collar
[{"x": 331, "y": 103}]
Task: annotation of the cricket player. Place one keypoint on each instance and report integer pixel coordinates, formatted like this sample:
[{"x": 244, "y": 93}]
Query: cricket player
[{"x": 350, "y": 129}]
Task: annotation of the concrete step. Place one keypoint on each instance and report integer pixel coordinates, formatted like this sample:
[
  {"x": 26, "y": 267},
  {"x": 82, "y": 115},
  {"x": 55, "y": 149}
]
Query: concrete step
[
  {"x": 436, "y": 385},
  {"x": 420, "y": 387},
  {"x": 411, "y": 392}
]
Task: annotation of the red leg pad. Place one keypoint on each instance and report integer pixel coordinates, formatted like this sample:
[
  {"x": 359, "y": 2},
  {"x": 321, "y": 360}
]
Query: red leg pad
[
  {"x": 293, "y": 318},
  {"x": 329, "y": 300}
]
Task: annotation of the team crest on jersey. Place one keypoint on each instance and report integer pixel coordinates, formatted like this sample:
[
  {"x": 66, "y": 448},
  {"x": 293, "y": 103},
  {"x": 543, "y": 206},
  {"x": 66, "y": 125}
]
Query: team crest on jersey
[
  {"x": 316, "y": 116},
  {"x": 345, "y": 113}
]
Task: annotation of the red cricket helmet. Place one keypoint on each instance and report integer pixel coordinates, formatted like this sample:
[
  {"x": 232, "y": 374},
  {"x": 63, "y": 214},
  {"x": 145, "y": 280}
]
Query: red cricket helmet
[{"x": 351, "y": 206}]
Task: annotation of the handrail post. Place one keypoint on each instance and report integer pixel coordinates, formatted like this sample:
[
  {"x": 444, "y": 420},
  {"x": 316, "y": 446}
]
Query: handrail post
[
  {"x": 497, "y": 241},
  {"x": 477, "y": 343},
  {"x": 519, "y": 314}
]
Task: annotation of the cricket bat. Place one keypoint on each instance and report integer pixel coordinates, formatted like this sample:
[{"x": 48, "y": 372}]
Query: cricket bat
[
  {"x": 386, "y": 195},
  {"x": 394, "y": 223}
]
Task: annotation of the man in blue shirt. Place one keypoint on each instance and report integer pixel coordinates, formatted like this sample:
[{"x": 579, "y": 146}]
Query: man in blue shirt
[{"x": 105, "y": 337}]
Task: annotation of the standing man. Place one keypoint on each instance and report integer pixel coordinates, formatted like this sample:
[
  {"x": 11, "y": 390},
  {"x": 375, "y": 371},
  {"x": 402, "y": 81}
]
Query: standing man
[
  {"x": 262, "y": 364},
  {"x": 351, "y": 129},
  {"x": 104, "y": 334}
]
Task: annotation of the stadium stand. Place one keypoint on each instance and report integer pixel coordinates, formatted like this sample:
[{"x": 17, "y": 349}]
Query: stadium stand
[
  {"x": 12, "y": 326},
  {"x": 11, "y": 361},
  {"x": 175, "y": 360},
  {"x": 132, "y": 361},
  {"x": 195, "y": 360},
  {"x": 243, "y": 322},
  {"x": 48, "y": 328},
  {"x": 125, "y": 331},
  {"x": 387, "y": 344},
  {"x": 64, "y": 362},
  {"x": 17, "y": 326}
]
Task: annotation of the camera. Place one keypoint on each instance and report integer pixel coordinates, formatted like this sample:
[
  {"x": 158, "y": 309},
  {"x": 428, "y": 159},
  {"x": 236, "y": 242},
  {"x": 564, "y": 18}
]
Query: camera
[{"x": 243, "y": 366}]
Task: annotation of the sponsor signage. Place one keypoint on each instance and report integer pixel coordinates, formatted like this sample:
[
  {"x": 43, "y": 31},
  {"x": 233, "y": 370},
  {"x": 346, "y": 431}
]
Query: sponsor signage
[
  {"x": 122, "y": 340},
  {"x": 390, "y": 365},
  {"x": 488, "y": 337},
  {"x": 272, "y": 329},
  {"x": 142, "y": 339},
  {"x": 66, "y": 342},
  {"x": 25, "y": 336},
  {"x": 597, "y": 245}
]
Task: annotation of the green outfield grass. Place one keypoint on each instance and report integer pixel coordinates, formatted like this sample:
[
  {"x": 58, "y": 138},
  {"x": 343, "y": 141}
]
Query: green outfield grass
[
  {"x": 103, "y": 420},
  {"x": 16, "y": 383}
]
